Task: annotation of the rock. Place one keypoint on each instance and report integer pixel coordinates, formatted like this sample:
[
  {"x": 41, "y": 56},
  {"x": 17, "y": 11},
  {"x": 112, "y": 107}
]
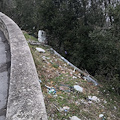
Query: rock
[
  {"x": 94, "y": 98},
  {"x": 78, "y": 88},
  {"x": 40, "y": 50},
  {"x": 74, "y": 118}
]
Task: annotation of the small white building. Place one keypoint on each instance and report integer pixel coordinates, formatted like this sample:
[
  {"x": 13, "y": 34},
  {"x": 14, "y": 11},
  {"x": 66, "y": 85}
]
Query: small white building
[{"x": 42, "y": 37}]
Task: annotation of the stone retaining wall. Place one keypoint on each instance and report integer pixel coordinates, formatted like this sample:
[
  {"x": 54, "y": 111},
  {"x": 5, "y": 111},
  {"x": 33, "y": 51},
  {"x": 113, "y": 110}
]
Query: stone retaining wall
[{"x": 25, "y": 100}]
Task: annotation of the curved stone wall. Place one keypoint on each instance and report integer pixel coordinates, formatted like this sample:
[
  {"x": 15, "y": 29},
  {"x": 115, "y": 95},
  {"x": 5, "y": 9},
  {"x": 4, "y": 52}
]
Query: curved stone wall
[{"x": 25, "y": 101}]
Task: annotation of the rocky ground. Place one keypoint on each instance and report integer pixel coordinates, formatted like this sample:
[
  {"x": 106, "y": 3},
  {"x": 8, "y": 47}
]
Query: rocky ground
[{"x": 67, "y": 95}]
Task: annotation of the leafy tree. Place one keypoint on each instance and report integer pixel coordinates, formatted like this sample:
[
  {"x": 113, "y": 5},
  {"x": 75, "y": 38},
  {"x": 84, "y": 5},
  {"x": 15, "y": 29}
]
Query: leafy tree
[{"x": 86, "y": 32}]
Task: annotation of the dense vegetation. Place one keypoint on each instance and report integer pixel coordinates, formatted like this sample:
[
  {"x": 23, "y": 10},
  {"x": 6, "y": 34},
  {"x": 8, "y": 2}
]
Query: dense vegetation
[{"x": 86, "y": 32}]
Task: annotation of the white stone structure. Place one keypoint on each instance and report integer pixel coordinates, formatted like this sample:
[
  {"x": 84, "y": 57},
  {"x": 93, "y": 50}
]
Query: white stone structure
[{"x": 42, "y": 37}]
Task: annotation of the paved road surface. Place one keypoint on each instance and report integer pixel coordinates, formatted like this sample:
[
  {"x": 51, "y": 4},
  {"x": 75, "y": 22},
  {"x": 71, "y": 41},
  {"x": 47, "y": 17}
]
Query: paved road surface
[{"x": 4, "y": 74}]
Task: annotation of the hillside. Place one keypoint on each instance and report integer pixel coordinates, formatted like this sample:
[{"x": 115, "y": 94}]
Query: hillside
[
  {"x": 62, "y": 101},
  {"x": 85, "y": 32}
]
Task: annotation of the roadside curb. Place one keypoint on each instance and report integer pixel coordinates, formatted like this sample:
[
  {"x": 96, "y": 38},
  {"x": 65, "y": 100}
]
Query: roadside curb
[{"x": 25, "y": 101}]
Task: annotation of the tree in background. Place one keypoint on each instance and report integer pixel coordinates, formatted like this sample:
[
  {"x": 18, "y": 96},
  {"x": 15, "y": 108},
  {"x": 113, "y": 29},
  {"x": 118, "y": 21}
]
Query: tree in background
[{"x": 86, "y": 32}]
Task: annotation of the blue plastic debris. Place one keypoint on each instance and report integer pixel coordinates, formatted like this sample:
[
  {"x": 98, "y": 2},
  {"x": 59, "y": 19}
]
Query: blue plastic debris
[{"x": 52, "y": 91}]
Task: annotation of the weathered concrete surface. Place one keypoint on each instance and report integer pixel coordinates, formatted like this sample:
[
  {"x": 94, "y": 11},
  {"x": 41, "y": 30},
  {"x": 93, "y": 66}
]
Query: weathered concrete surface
[
  {"x": 25, "y": 101},
  {"x": 4, "y": 74}
]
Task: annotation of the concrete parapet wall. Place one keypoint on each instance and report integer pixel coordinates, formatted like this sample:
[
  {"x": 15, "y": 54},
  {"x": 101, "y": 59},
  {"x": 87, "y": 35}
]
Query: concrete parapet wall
[{"x": 25, "y": 100}]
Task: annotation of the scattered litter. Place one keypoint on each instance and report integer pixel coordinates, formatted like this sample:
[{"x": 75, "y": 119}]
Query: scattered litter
[
  {"x": 78, "y": 88},
  {"x": 105, "y": 101},
  {"x": 89, "y": 102},
  {"x": 66, "y": 88},
  {"x": 52, "y": 91},
  {"x": 98, "y": 91},
  {"x": 77, "y": 103},
  {"x": 104, "y": 90},
  {"x": 115, "y": 107},
  {"x": 34, "y": 43},
  {"x": 40, "y": 81},
  {"x": 63, "y": 72},
  {"x": 101, "y": 115},
  {"x": 94, "y": 98},
  {"x": 71, "y": 73},
  {"x": 79, "y": 75},
  {"x": 55, "y": 96},
  {"x": 75, "y": 68},
  {"x": 64, "y": 64},
  {"x": 74, "y": 118},
  {"x": 56, "y": 60},
  {"x": 74, "y": 77},
  {"x": 44, "y": 58},
  {"x": 47, "y": 87},
  {"x": 83, "y": 101},
  {"x": 61, "y": 97},
  {"x": 65, "y": 109},
  {"x": 84, "y": 78},
  {"x": 40, "y": 50}
]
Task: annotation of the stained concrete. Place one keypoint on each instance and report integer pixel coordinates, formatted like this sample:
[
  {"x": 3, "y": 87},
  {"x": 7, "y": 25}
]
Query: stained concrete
[{"x": 4, "y": 74}]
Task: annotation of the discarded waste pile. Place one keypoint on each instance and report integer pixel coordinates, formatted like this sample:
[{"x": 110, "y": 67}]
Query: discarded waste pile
[{"x": 67, "y": 94}]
